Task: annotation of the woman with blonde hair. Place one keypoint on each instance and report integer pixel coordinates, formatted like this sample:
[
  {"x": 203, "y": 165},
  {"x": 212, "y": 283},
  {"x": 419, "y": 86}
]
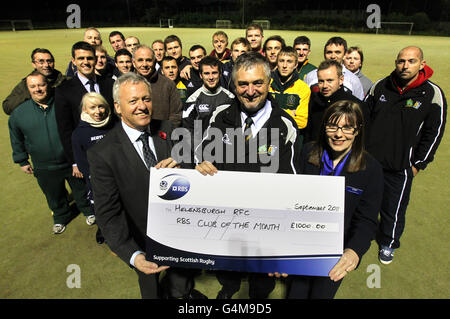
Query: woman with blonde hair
[{"x": 96, "y": 121}]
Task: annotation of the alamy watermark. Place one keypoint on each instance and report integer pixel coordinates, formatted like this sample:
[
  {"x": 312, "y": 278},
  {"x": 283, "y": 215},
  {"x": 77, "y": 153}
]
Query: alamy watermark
[
  {"x": 229, "y": 146},
  {"x": 74, "y": 19},
  {"x": 74, "y": 279},
  {"x": 373, "y": 20},
  {"x": 374, "y": 279}
]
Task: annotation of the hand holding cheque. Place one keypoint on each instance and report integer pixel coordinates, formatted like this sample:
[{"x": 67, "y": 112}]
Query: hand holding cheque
[
  {"x": 346, "y": 263},
  {"x": 143, "y": 265},
  {"x": 196, "y": 221}
]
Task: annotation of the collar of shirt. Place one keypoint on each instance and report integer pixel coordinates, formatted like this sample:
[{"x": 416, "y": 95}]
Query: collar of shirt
[
  {"x": 134, "y": 135},
  {"x": 48, "y": 105},
  {"x": 85, "y": 81},
  {"x": 259, "y": 119},
  {"x": 345, "y": 70},
  {"x": 207, "y": 92},
  {"x": 349, "y": 76}
]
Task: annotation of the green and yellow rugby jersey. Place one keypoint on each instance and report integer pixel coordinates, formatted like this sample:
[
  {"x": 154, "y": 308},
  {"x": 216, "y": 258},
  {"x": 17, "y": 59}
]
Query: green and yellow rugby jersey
[{"x": 292, "y": 96}]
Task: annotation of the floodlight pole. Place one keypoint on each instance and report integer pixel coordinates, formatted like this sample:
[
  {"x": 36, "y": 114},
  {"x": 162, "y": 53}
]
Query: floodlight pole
[{"x": 243, "y": 13}]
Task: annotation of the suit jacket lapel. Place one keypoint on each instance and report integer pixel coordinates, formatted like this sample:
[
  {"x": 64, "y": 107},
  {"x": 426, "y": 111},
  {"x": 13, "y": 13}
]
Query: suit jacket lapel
[
  {"x": 129, "y": 151},
  {"x": 80, "y": 91},
  {"x": 81, "y": 87},
  {"x": 160, "y": 145},
  {"x": 161, "y": 148},
  {"x": 105, "y": 85},
  {"x": 101, "y": 85}
]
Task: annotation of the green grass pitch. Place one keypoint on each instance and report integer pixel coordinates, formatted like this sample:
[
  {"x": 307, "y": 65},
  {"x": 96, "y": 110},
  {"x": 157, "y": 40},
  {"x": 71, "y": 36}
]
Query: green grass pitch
[{"x": 34, "y": 261}]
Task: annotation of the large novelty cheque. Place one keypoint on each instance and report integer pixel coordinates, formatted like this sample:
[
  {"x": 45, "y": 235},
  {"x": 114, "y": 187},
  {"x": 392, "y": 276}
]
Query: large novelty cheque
[{"x": 250, "y": 222}]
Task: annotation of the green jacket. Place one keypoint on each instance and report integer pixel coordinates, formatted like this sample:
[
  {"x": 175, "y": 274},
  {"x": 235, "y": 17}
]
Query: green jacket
[
  {"x": 20, "y": 93},
  {"x": 305, "y": 68},
  {"x": 34, "y": 133}
]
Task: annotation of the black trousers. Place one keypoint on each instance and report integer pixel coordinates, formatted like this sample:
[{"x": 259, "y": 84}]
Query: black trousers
[
  {"x": 260, "y": 284},
  {"x": 148, "y": 284},
  {"x": 396, "y": 193},
  {"x": 178, "y": 282},
  {"x": 311, "y": 287},
  {"x": 53, "y": 185}
]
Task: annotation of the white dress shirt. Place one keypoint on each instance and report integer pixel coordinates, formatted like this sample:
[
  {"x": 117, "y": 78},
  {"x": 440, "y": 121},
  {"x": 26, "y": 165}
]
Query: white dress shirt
[
  {"x": 134, "y": 136},
  {"x": 259, "y": 119},
  {"x": 85, "y": 81}
]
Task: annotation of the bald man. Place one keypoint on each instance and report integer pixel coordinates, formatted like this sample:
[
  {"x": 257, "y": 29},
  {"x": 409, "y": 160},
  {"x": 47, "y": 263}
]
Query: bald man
[
  {"x": 92, "y": 36},
  {"x": 407, "y": 121},
  {"x": 131, "y": 43},
  {"x": 166, "y": 99}
]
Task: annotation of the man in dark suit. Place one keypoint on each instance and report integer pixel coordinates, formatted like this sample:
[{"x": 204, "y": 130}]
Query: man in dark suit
[
  {"x": 68, "y": 95},
  {"x": 120, "y": 165}
]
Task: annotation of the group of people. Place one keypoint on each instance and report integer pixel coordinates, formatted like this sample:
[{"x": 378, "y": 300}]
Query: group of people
[{"x": 103, "y": 124}]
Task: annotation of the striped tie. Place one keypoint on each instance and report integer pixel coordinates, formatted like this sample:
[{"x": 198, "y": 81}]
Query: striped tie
[
  {"x": 248, "y": 123},
  {"x": 149, "y": 156}
]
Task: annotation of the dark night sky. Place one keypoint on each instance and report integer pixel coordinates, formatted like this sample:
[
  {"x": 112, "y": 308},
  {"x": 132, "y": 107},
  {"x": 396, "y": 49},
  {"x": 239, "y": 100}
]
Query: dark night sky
[{"x": 437, "y": 10}]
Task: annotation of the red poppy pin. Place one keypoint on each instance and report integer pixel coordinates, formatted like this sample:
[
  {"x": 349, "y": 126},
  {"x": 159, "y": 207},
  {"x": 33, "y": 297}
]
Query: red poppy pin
[{"x": 163, "y": 135}]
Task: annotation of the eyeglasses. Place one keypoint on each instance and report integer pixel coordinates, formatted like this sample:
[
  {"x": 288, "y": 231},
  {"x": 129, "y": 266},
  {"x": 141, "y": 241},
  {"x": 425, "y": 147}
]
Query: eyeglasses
[
  {"x": 42, "y": 62},
  {"x": 332, "y": 128}
]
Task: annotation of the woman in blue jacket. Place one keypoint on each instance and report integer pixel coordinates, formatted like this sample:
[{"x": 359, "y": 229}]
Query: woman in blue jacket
[
  {"x": 94, "y": 124},
  {"x": 339, "y": 151}
]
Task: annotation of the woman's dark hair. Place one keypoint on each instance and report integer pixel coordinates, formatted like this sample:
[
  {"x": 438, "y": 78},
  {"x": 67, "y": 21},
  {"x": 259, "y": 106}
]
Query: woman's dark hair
[{"x": 354, "y": 117}]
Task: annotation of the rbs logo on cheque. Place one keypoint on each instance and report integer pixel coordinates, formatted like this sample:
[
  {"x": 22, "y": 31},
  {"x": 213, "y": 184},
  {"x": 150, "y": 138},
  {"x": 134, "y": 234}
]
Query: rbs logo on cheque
[{"x": 173, "y": 186}]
